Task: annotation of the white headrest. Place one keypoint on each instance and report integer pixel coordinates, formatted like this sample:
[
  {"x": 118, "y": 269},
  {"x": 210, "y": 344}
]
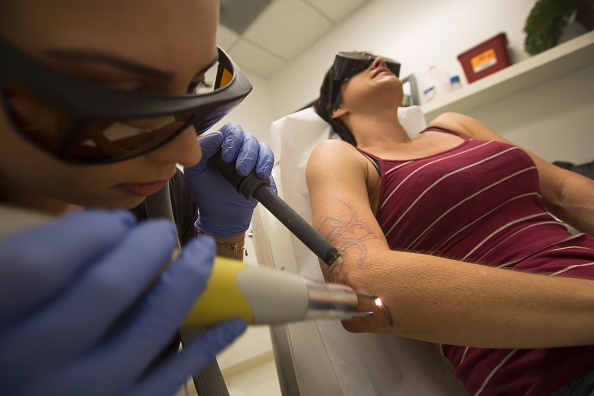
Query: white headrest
[
  {"x": 293, "y": 138},
  {"x": 310, "y": 129}
]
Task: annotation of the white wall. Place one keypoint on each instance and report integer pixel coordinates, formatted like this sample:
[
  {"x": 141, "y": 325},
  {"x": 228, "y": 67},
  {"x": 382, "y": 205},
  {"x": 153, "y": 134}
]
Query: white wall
[
  {"x": 417, "y": 33},
  {"x": 255, "y": 112},
  {"x": 554, "y": 120}
]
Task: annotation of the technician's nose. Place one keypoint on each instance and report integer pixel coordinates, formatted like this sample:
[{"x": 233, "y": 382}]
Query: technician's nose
[{"x": 184, "y": 149}]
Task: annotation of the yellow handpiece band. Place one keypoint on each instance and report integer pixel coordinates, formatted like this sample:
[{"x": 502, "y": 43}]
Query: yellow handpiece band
[{"x": 222, "y": 299}]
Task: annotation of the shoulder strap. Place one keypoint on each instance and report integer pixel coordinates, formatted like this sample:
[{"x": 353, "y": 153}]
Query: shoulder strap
[
  {"x": 440, "y": 129},
  {"x": 208, "y": 381},
  {"x": 373, "y": 161}
]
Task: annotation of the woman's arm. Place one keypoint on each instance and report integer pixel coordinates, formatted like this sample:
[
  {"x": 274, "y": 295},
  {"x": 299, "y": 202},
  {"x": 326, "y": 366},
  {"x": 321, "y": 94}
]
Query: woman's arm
[
  {"x": 432, "y": 298},
  {"x": 567, "y": 195}
]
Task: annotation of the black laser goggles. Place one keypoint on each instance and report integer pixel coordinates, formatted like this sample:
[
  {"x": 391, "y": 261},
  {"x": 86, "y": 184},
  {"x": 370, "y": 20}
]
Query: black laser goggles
[
  {"x": 347, "y": 64},
  {"x": 86, "y": 123}
]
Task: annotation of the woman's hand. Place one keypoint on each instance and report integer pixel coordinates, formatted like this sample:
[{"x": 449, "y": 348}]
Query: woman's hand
[
  {"x": 86, "y": 298},
  {"x": 223, "y": 211}
]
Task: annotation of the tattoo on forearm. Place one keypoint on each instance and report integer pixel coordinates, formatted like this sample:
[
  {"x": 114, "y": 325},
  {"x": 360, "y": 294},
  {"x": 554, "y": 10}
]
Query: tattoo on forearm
[{"x": 347, "y": 234}]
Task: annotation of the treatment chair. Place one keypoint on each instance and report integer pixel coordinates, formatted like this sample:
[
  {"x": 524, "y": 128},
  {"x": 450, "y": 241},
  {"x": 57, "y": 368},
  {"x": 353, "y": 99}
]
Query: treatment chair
[{"x": 316, "y": 358}]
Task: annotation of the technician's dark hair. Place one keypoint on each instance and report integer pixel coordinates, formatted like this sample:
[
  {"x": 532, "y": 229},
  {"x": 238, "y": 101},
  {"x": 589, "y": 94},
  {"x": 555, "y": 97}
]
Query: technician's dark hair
[{"x": 324, "y": 108}]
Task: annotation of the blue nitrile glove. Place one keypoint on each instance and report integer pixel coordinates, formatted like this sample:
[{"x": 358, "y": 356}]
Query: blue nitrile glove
[
  {"x": 223, "y": 211},
  {"x": 76, "y": 315}
]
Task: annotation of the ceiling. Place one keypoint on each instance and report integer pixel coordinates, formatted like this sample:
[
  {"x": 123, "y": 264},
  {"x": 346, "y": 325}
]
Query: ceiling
[{"x": 263, "y": 35}]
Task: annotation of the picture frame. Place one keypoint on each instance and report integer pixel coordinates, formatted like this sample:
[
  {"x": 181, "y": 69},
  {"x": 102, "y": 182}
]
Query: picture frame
[{"x": 411, "y": 92}]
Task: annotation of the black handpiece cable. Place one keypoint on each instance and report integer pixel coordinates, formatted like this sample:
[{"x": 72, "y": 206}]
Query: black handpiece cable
[{"x": 253, "y": 188}]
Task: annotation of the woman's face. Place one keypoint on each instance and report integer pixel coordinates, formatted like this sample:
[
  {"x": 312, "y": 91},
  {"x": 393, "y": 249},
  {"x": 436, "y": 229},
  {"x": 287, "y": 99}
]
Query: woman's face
[
  {"x": 93, "y": 39},
  {"x": 372, "y": 89}
]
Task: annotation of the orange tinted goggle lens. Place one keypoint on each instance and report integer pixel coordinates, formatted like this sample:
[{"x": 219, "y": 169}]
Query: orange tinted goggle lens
[{"x": 95, "y": 142}]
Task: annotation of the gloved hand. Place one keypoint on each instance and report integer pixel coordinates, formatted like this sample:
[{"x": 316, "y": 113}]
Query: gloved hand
[
  {"x": 223, "y": 211},
  {"x": 76, "y": 315}
]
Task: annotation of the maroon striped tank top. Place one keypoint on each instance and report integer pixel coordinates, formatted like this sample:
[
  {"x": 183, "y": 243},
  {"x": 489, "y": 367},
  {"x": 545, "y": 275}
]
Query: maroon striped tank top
[{"x": 479, "y": 202}]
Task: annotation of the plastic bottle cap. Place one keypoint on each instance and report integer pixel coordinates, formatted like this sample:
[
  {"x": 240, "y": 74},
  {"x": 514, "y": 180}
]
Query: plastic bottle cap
[{"x": 455, "y": 79}]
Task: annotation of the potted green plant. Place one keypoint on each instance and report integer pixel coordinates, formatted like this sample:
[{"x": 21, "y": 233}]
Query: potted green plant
[{"x": 546, "y": 23}]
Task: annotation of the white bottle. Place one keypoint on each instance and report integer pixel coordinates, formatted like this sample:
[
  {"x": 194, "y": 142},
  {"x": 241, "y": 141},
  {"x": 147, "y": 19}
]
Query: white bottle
[{"x": 438, "y": 84}]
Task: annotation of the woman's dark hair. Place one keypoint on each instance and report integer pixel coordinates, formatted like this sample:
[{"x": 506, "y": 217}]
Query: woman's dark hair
[{"x": 324, "y": 109}]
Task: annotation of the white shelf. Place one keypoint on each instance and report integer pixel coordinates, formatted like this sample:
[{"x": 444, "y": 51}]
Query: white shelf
[{"x": 556, "y": 62}]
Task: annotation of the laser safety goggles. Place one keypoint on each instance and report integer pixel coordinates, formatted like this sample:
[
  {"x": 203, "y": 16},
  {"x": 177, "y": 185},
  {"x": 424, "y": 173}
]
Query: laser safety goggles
[
  {"x": 347, "y": 64},
  {"x": 83, "y": 122}
]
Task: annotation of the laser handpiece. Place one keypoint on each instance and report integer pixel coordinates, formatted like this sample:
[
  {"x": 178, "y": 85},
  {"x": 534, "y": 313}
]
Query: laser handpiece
[{"x": 262, "y": 295}]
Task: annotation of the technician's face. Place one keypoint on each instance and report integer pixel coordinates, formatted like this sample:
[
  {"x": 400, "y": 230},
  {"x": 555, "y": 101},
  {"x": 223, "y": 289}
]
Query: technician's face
[{"x": 94, "y": 39}]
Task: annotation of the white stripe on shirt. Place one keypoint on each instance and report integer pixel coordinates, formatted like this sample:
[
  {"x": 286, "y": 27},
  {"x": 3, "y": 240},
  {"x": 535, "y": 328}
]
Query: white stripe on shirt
[
  {"x": 440, "y": 180},
  {"x": 492, "y": 373},
  {"x": 501, "y": 229},
  {"x": 463, "y": 201},
  {"x": 423, "y": 166},
  {"x": 482, "y": 217}
]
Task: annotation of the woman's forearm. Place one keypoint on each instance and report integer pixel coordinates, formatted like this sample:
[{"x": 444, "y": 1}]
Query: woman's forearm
[
  {"x": 447, "y": 301},
  {"x": 436, "y": 299}
]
